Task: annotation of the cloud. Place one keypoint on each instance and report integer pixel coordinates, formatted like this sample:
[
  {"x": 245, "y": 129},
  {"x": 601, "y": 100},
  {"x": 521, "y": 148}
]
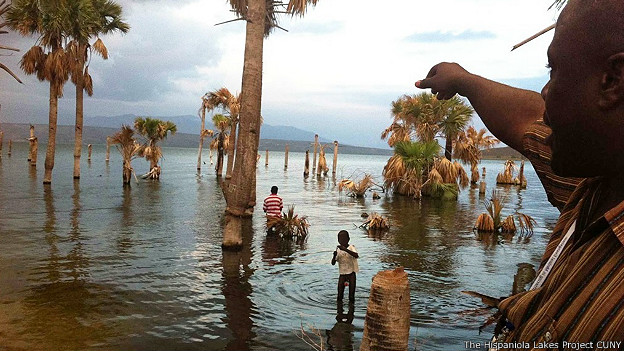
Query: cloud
[{"x": 445, "y": 37}]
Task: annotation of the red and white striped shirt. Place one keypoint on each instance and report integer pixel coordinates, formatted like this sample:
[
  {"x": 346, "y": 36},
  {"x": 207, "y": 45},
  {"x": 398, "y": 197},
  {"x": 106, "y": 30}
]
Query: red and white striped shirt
[{"x": 273, "y": 205}]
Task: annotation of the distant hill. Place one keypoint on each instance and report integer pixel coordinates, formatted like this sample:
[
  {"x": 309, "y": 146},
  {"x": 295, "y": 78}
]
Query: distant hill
[
  {"x": 97, "y": 135},
  {"x": 502, "y": 153},
  {"x": 189, "y": 124}
]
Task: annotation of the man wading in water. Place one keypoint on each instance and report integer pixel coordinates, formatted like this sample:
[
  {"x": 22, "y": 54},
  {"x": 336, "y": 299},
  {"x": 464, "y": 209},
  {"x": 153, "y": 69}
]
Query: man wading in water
[{"x": 580, "y": 295}]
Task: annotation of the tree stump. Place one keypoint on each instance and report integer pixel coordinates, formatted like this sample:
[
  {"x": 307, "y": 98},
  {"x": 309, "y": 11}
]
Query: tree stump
[{"x": 387, "y": 322}]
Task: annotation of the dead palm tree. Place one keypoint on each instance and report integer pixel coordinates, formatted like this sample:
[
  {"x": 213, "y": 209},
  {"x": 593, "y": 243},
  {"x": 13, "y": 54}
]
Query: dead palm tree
[
  {"x": 88, "y": 19},
  {"x": 129, "y": 149},
  {"x": 468, "y": 148},
  {"x": 239, "y": 192},
  {"x": 47, "y": 58},
  {"x": 153, "y": 130},
  {"x": 4, "y": 7},
  {"x": 493, "y": 221},
  {"x": 205, "y": 106}
]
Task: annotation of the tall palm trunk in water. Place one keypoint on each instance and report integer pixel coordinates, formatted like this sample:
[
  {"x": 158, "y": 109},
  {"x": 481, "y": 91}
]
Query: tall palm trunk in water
[
  {"x": 220, "y": 148},
  {"x": 79, "y": 114},
  {"x": 201, "y": 138},
  {"x": 231, "y": 148},
  {"x": 52, "y": 118},
  {"x": 238, "y": 192}
]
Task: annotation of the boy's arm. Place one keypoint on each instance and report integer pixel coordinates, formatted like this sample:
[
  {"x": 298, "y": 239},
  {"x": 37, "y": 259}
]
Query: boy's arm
[
  {"x": 352, "y": 253},
  {"x": 334, "y": 258}
]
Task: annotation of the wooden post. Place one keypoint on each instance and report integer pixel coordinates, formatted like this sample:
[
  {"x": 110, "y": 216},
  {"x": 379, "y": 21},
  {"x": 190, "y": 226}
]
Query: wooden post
[
  {"x": 108, "y": 149},
  {"x": 90, "y": 148},
  {"x": 306, "y": 168},
  {"x": 315, "y": 150},
  {"x": 34, "y": 145},
  {"x": 483, "y": 174},
  {"x": 266, "y": 161},
  {"x": 482, "y": 187},
  {"x": 1, "y": 142},
  {"x": 319, "y": 166},
  {"x": 335, "y": 158},
  {"x": 387, "y": 322},
  {"x": 286, "y": 158},
  {"x": 10, "y": 146}
]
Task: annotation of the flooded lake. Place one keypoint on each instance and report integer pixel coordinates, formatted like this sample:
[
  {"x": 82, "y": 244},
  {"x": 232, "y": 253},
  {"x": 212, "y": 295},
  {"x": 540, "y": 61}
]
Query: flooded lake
[{"x": 94, "y": 266}]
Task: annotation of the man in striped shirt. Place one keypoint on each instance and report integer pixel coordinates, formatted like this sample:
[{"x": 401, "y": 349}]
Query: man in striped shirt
[
  {"x": 273, "y": 204},
  {"x": 577, "y": 150}
]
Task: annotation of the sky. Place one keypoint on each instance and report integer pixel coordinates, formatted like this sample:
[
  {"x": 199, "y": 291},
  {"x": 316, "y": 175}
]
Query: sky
[{"x": 335, "y": 72}]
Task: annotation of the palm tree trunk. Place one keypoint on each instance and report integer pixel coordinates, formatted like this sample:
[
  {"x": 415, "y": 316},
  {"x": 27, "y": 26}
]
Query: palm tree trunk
[
  {"x": 201, "y": 139},
  {"x": 127, "y": 172},
  {"x": 79, "y": 122},
  {"x": 239, "y": 192},
  {"x": 1, "y": 141},
  {"x": 448, "y": 149},
  {"x": 387, "y": 322},
  {"x": 52, "y": 118},
  {"x": 219, "y": 167},
  {"x": 231, "y": 149}
]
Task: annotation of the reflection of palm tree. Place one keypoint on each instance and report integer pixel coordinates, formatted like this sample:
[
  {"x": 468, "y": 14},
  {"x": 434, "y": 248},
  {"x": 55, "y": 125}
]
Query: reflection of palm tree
[
  {"x": 50, "y": 234},
  {"x": 76, "y": 256},
  {"x": 237, "y": 291}
]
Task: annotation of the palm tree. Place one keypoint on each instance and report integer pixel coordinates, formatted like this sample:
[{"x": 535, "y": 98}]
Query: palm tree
[
  {"x": 405, "y": 170},
  {"x": 4, "y": 7},
  {"x": 456, "y": 116},
  {"x": 153, "y": 130},
  {"x": 129, "y": 149},
  {"x": 203, "y": 132},
  {"x": 47, "y": 58},
  {"x": 468, "y": 148},
  {"x": 230, "y": 105},
  {"x": 88, "y": 20},
  {"x": 261, "y": 18},
  {"x": 222, "y": 124}
]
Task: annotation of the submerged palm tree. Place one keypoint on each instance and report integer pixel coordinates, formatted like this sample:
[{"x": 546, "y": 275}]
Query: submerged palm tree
[
  {"x": 129, "y": 149},
  {"x": 406, "y": 169},
  {"x": 261, "y": 18},
  {"x": 153, "y": 130},
  {"x": 493, "y": 221},
  {"x": 222, "y": 124},
  {"x": 47, "y": 58},
  {"x": 4, "y": 7},
  {"x": 468, "y": 148},
  {"x": 88, "y": 19},
  {"x": 230, "y": 105}
]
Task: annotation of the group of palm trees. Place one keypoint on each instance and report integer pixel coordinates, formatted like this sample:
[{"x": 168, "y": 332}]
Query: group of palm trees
[
  {"x": 68, "y": 34},
  {"x": 417, "y": 168},
  {"x": 151, "y": 130},
  {"x": 224, "y": 139}
]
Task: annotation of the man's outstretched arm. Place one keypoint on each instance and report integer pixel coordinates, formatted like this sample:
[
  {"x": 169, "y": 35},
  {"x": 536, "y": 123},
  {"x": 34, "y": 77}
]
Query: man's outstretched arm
[{"x": 506, "y": 111}]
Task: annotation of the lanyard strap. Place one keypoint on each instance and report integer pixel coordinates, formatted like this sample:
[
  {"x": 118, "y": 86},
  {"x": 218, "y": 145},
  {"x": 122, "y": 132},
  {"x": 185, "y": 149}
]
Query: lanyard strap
[{"x": 543, "y": 274}]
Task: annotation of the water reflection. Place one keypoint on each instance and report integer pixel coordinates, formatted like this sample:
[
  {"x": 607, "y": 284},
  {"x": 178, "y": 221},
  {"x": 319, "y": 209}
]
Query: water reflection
[
  {"x": 280, "y": 250},
  {"x": 237, "y": 292},
  {"x": 340, "y": 336},
  {"x": 76, "y": 257},
  {"x": 51, "y": 238},
  {"x": 124, "y": 241}
]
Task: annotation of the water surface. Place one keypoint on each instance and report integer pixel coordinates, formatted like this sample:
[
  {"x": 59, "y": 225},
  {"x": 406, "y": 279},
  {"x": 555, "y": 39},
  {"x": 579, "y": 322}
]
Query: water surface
[{"x": 92, "y": 265}]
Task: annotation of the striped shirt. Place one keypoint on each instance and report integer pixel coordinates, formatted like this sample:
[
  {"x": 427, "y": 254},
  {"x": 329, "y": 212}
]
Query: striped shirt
[
  {"x": 273, "y": 205},
  {"x": 582, "y": 299}
]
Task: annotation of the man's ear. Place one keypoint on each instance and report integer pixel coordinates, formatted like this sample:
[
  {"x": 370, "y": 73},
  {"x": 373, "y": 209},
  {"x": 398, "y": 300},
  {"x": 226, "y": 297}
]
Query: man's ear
[{"x": 612, "y": 84}]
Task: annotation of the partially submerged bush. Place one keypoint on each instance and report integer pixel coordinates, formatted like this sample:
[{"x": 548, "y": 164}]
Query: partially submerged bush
[
  {"x": 356, "y": 188},
  {"x": 491, "y": 221},
  {"x": 289, "y": 224},
  {"x": 376, "y": 221}
]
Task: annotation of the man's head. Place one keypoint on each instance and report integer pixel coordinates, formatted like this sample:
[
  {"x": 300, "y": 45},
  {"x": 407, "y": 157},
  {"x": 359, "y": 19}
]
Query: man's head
[
  {"x": 585, "y": 94},
  {"x": 274, "y": 190},
  {"x": 343, "y": 238}
]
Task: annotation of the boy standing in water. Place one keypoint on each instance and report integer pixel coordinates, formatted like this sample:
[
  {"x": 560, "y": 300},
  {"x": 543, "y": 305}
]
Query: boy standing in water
[{"x": 346, "y": 255}]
